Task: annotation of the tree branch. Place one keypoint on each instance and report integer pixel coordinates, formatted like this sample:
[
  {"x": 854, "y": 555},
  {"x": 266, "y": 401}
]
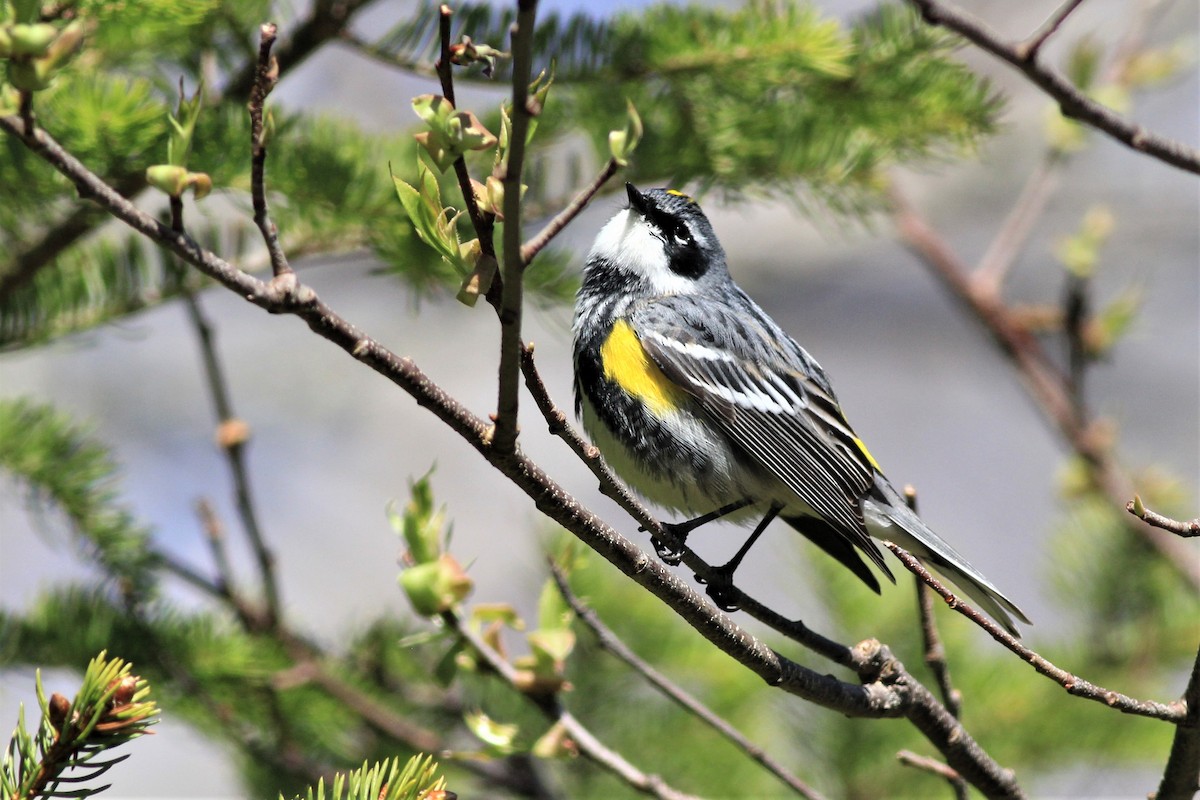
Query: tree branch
[
  {"x": 1175, "y": 712},
  {"x": 512, "y": 295},
  {"x": 1185, "y": 529},
  {"x": 1029, "y": 48},
  {"x": 564, "y": 217},
  {"x": 609, "y": 641},
  {"x": 1073, "y": 102}
]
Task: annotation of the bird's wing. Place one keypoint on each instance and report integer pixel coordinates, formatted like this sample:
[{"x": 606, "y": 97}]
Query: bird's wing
[{"x": 777, "y": 410}]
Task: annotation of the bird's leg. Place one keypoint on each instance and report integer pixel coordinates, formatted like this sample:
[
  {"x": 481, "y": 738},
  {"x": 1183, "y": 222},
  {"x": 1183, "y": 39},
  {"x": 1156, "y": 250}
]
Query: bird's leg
[
  {"x": 720, "y": 580},
  {"x": 680, "y": 530}
]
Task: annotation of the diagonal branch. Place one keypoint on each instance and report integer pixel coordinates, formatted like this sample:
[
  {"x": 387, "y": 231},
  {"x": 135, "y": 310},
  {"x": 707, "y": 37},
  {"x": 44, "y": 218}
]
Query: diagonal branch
[
  {"x": 609, "y": 641},
  {"x": 1175, "y": 712},
  {"x": 1029, "y": 48},
  {"x": 1185, "y": 529},
  {"x": 1073, "y": 102}
]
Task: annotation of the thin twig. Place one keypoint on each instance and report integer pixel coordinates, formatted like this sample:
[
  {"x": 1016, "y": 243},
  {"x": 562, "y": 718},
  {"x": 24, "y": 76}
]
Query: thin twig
[
  {"x": 1013, "y": 235},
  {"x": 214, "y": 534},
  {"x": 911, "y": 759},
  {"x": 1029, "y": 48},
  {"x": 1185, "y": 529},
  {"x": 1175, "y": 712},
  {"x": 482, "y": 223},
  {"x": 564, "y": 217},
  {"x": 1181, "y": 776},
  {"x": 609, "y": 641},
  {"x": 232, "y": 438},
  {"x": 550, "y": 706},
  {"x": 1073, "y": 102},
  {"x": 265, "y": 76},
  {"x": 512, "y": 295}
]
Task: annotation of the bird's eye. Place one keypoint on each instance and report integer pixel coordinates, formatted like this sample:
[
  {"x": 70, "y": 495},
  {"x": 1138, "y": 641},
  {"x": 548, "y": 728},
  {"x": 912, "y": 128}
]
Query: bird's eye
[{"x": 681, "y": 235}]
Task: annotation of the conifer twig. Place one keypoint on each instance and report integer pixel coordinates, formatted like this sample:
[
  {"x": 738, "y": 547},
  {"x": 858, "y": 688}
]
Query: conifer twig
[
  {"x": 1174, "y": 712},
  {"x": 1074, "y": 103},
  {"x": 609, "y": 641}
]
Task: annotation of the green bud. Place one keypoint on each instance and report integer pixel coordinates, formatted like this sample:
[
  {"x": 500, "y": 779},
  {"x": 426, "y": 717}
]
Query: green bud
[
  {"x": 436, "y": 586},
  {"x": 30, "y": 76},
  {"x": 32, "y": 41},
  {"x": 167, "y": 178},
  {"x": 622, "y": 143}
]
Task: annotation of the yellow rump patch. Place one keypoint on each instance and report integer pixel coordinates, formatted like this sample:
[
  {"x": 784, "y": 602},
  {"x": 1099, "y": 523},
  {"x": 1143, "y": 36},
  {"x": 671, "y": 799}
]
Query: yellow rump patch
[
  {"x": 862, "y": 448},
  {"x": 627, "y": 364}
]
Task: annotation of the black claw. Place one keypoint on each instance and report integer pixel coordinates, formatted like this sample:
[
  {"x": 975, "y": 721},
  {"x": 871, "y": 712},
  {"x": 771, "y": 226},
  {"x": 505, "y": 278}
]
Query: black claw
[
  {"x": 723, "y": 595},
  {"x": 670, "y": 556}
]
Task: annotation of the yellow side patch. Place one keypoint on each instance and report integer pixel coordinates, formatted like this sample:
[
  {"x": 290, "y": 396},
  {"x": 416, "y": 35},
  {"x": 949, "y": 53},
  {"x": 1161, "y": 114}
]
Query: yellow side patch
[
  {"x": 627, "y": 364},
  {"x": 862, "y": 448}
]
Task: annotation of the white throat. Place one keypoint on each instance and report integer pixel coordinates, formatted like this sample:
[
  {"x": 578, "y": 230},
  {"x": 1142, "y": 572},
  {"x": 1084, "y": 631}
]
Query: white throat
[{"x": 629, "y": 244}]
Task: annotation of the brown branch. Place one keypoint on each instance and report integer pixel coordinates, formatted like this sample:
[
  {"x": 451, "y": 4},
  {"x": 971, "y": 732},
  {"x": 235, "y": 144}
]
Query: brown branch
[
  {"x": 1029, "y": 48},
  {"x": 1013, "y": 235},
  {"x": 1181, "y": 776},
  {"x": 512, "y": 297},
  {"x": 265, "y": 77},
  {"x": 910, "y": 759},
  {"x": 1046, "y": 384},
  {"x": 887, "y": 689},
  {"x": 1175, "y": 712},
  {"x": 609, "y": 641},
  {"x": 564, "y": 217},
  {"x": 1185, "y": 529},
  {"x": 1073, "y": 102},
  {"x": 550, "y": 706}
]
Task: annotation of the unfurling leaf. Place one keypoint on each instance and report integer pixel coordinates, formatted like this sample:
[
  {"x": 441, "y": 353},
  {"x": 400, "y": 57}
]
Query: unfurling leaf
[
  {"x": 622, "y": 143},
  {"x": 451, "y": 133}
]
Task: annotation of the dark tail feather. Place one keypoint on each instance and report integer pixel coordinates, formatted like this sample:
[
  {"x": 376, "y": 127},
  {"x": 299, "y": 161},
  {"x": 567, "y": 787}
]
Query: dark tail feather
[{"x": 829, "y": 539}]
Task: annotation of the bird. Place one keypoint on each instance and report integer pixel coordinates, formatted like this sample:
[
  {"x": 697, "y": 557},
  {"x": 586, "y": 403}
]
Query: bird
[{"x": 705, "y": 406}]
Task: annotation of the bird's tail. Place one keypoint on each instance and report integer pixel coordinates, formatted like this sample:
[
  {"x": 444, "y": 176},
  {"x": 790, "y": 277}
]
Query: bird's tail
[{"x": 889, "y": 517}]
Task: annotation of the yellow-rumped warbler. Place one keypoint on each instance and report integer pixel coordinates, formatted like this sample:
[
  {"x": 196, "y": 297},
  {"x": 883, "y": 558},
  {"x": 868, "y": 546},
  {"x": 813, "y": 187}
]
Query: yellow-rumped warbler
[{"x": 705, "y": 405}]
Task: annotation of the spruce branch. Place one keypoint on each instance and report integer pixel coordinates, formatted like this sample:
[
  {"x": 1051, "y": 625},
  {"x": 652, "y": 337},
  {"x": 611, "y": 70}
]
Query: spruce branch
[
  {"x": 611, "y": 643},
  {"x": 1174, "y": 712},
  {"x": 110, "y": 709},
  {"x": 1073, "y": 102}
]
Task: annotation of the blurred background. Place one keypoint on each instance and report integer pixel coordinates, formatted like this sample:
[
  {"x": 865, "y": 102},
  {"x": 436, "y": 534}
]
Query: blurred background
[{"x": 942, "y": 410}]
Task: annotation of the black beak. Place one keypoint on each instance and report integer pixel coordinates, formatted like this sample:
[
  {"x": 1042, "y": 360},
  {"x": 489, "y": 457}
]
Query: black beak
[{"x": 637, "y": 201}]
